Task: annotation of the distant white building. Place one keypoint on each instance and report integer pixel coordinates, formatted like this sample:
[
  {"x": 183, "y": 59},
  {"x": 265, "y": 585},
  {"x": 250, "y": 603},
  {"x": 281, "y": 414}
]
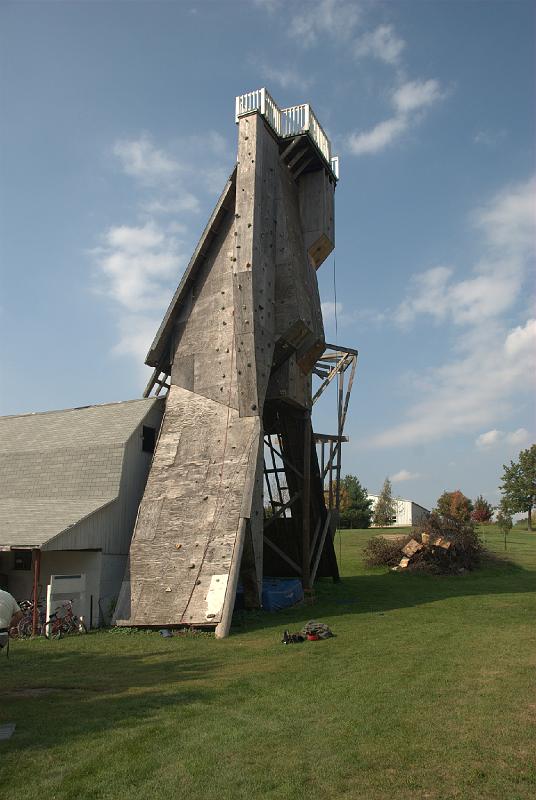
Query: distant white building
[{"x": 408, "y": 513}]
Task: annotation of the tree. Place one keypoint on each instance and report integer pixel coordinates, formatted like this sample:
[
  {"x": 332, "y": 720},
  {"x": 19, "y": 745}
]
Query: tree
[
  {"x": 454, "y": 505},
  {"x": 519, "y": 485},
  {"x": 505, "y": 523},
  {"x": 356, "y": 511},
  {"x": 482, "y": 511},
  {"x": 385, "y": 510}
]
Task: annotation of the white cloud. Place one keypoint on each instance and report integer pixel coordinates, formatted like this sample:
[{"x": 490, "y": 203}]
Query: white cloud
[
  {"x": 328, "y": 311},
  {"x": 404, "y": 475},
  {"x": 175, "y": 177},
  {"x": 285, "y": 77},
  {"x": 416, "y": 95},
  {"x": 136, "y": 332},
  {"x": 136, "y": 265},
  {"x": 378, "y": 137},
  {"x": 382, "y": 43},
  {"x": 268, "y": 5},
  {"x": 488, "y": 439},
  {"x": 507, "y": 227},
  {"x": 468, "y": 392},
  {"x": 334, "y": 18},
  {"x": 481, "y": 384},
  {"x": 489, "y": 138},
  {"x": 409, "y": 100},
  {"x": 509, "y": 219},
  {"x": 141, "y": 159},
  {"x": 494, "y": 437},
  {"x": 519, "y": 437},
  {"x": 171, "y": 205}
]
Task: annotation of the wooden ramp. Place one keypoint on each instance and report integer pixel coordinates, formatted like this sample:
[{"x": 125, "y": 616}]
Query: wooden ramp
[{"x": 196, "y": 507}]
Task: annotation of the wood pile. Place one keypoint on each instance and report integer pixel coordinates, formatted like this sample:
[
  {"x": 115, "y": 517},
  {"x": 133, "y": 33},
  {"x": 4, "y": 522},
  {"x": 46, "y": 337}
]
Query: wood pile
[{"x": 429, "y": 549}]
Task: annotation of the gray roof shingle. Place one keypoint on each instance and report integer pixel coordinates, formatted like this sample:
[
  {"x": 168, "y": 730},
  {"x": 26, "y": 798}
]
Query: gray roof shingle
[{"x": 58, "y": 467}]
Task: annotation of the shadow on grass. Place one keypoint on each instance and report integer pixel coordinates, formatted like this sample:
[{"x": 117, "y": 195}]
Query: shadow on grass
[
  {"x": 387, "y": 591},
  {"x": 56, "y": 694}
]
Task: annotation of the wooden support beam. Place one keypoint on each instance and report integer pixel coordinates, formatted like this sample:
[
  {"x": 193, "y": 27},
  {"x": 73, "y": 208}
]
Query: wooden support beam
[
  {"x": 284, "y": 459},
  {"x": 276, "y": 471},
  {"x": 296, "y": 158},
  {"x": 283, "y": 555},
  {"x": 281, "y": 511},
  {"x": 306, "y": 502},
  {"x": 329, "y": 437},
  {"x": 296, "y": 173},
  {"x": 290, "y": 147},
  {"x": 35, "y": 598},
  {"x": 342, "y": 349},
  {"x": 315, "y": 537},
  {"x": 320, "y": 546},
  {"x": 270, "y": 494}
]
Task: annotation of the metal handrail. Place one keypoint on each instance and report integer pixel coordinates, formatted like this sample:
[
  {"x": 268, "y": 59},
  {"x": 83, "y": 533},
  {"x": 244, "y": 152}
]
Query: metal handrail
[{"x": 286, "y": 122}]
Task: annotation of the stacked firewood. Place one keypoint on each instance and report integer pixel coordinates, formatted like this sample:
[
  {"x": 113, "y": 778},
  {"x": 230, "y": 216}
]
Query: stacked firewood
[{"x": 430, "y": 550}]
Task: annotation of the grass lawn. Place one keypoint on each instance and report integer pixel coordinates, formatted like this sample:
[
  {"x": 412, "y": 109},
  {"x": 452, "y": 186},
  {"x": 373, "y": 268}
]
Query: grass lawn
[{"x": 427, "y": 691}]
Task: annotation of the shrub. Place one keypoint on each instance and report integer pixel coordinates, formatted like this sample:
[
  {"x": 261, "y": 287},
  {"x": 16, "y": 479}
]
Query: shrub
[
  {"x": 482, "y": 511},
  {"x": 454, "y": 506},
  {"x": 380, "y": 552},
  {"x": 463, "y": 553},
  {"x": 466, "y": 548},
  {"x": 354, "y": 519}
]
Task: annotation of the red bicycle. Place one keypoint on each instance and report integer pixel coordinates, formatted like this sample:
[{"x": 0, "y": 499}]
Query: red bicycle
[{"x": 61, "y": 624}]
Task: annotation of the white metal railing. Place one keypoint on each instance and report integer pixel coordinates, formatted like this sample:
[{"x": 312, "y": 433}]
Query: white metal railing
[
  {"x": 334, "y": 163},
  {"x": 288, "y": 121}
]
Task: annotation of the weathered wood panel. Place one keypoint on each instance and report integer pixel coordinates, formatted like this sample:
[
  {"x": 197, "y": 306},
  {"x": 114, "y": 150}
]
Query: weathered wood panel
[{"x": 185, "y": 534}]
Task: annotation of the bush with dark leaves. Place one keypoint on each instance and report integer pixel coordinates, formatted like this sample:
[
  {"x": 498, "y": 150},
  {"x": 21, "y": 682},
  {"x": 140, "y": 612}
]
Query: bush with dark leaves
[{"x": 379, "y": 552}]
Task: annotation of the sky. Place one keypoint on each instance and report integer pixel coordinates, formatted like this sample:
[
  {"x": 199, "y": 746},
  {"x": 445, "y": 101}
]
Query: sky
[{"x": 117, "y": 136}]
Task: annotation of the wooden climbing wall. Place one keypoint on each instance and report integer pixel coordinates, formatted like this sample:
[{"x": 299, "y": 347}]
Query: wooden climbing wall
[{"x": 245, "y": 325}]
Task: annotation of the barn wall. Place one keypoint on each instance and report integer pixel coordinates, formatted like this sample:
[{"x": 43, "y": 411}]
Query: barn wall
[
  {"x": 418, "y": 514},
  {"x": 110, "y": 528},
  {"x": 17, "y": 582},
  {"x": 75, "y": 562}
]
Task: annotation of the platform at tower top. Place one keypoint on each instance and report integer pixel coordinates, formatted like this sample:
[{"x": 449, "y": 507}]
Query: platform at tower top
[{"x": 289, "y": 122}]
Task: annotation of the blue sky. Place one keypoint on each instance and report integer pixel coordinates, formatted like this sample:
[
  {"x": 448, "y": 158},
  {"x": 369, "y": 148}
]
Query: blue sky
[{"x": 117, "y": 136}]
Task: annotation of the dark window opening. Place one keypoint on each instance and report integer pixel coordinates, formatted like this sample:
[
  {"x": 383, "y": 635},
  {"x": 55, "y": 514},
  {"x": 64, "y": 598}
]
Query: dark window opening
[
  {"x": 148, "y": 439},
  {"x": 22, "y": 559}
]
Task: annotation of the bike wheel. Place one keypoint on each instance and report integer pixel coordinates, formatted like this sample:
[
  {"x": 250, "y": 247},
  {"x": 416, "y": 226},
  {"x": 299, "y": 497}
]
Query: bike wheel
[
  {"x": 53, "y": 630},
  {"x": 76, "y": 625},
  {"x": 24, "y": 629}
]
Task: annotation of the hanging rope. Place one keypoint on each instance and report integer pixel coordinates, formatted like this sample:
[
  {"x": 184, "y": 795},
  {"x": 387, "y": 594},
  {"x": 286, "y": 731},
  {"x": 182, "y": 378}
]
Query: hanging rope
[{"x": 339, "y": 377}]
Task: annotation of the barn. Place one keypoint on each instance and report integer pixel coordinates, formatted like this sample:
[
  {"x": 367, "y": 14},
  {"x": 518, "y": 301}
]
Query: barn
[{"x": 70, "y": 485}]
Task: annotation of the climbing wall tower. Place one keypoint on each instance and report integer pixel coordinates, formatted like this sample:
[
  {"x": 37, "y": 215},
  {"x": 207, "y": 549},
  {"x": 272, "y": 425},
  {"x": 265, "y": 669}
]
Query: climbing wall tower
[{"x": 235, "y": 353}]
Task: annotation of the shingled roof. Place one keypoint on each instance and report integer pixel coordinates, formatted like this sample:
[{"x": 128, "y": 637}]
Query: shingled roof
[{"x": 58, "y": 467}]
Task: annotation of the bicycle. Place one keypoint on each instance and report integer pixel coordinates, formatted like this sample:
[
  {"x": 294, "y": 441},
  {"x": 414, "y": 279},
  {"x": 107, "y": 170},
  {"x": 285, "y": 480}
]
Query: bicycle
[
  {"x": 24, "y": 628},
  {"x": 59, "y": 625}
]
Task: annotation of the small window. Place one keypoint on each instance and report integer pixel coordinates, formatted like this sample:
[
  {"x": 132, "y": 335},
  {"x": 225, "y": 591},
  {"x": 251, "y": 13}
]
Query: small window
[
  {"x": 148, "y": 439},
  {"x": 22, "y": 559}
]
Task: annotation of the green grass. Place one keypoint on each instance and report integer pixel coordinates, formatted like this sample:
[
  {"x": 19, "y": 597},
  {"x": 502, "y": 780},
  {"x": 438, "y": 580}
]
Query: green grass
[{"x": 427, "y": 691}]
